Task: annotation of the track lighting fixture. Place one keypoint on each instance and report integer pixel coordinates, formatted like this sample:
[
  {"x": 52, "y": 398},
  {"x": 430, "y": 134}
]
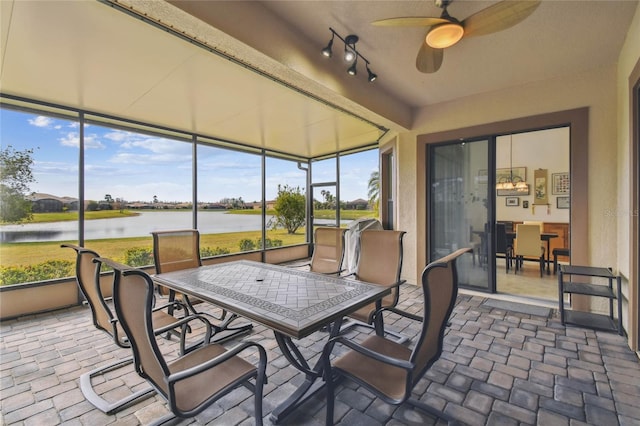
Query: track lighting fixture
[{"x": 351, "y": 54}]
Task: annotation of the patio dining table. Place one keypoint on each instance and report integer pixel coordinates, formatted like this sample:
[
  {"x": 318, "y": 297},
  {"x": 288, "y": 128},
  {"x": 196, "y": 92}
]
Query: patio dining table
[{"x": 292, "y": 303}]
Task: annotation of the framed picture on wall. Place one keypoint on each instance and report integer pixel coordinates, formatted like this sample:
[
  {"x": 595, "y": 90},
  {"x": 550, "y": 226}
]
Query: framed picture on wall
[
  {"x": 560, "y": 183},
  {"x": 508, "y": 192},
  {"x": 512, "y": 201},
  {"x": 563, "y": 202}
]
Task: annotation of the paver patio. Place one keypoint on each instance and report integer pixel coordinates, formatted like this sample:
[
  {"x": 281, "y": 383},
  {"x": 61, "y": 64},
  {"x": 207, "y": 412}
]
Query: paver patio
[{"x": 499, "y": 367}]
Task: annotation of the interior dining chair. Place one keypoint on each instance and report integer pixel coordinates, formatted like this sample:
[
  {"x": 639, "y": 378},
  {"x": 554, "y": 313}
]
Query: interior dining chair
[
  {"x": 387, "y": 368},
  {"x": 89, "y": 283},
  {"x": 379, "y": 262},
  {"x": 174, "y": 250},
  {"x": 475, "y": 243},
  {"x": 328, "y": 251},
  {"x": 191, "y": 382},
  {"x": 503, "y": 246},
  {"x": 528, "y": 244},
  {"x": 535, "y": 222}
]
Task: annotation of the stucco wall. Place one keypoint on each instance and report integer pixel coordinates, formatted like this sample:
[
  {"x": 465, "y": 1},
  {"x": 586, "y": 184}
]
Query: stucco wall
[
  {"x": 595, "y": 89},
  {"x": 628, "y": 63},
  {"x": 629, "y": 57}
]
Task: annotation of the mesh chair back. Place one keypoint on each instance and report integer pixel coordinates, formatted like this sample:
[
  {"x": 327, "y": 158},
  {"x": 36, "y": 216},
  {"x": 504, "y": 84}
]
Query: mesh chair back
[
  {"x": 528, "y": 241},
  {"x": 328, "y": 250},
  {"x": 381, "y": 260},
  {"x": 133, "y": 301},
  {"x": 175, "y": 250},
  {"x": 440, "y": 289},
  {"x": 88, "y": 279}
]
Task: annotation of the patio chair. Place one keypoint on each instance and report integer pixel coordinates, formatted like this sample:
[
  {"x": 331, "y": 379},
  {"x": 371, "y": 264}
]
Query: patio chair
[
  {"x": 174, "y": 250},
  {"x": 387, "y": 368},
  {"x": 191, "y": 382},
  {"x": 88, "y": 279},
  {"x": 380, "y": 262},
  {"x": 328, "y": 251},
  {"x": 528, "y": 244}
]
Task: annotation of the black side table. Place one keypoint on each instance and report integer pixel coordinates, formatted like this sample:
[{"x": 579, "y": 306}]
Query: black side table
[{"x": 589, "y": 319}]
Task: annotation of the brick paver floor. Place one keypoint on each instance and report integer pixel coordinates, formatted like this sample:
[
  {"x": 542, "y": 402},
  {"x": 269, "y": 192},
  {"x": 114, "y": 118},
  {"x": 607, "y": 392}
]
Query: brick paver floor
[{"x": 499, "y": 367}]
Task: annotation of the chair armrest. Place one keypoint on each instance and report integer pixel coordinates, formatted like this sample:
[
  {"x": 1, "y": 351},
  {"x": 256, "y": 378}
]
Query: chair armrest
[
  {"x": 299, "y": 266},
  {"x": 230, "y": 353},
  {"x": 183, "y": 322},
  {"x": 175, "y": 304},
  {"x": 400, "y": 363},
  {"x": 399, "y": 312}
]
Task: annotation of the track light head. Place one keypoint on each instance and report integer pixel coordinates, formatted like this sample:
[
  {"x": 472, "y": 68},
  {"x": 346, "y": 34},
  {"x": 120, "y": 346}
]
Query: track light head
[
  {"x": 327, "y": 50},
  {"x": 352, "y": 69},
  {"x": 350, "y": 52},
  {"x": 372, "y": 77}
]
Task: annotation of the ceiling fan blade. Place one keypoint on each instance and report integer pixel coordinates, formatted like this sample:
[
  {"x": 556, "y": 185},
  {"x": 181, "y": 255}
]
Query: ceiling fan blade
[
  {"x": 409, "y": 22},
  {"x": 429, "y": 59},
  {"x": 498, "y": 17}
]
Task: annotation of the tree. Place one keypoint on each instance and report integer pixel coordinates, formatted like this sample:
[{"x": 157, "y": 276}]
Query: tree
[
  {"x": 289, "y": 209},
  {"x": 15, "y": 177},
  {"x": 374, "y": 190}
]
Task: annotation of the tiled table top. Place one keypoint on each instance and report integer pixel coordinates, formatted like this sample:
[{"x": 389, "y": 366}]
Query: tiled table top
[{"x": 293, "y": 302}]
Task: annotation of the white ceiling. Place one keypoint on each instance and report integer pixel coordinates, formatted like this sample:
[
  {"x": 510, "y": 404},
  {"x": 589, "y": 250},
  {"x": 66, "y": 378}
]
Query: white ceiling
[{"x": 88, "y": 55}]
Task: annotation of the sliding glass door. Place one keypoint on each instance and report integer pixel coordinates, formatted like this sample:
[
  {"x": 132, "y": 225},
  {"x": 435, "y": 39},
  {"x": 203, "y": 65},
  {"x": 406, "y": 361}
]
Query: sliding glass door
[{"x": 459, "y": 208}]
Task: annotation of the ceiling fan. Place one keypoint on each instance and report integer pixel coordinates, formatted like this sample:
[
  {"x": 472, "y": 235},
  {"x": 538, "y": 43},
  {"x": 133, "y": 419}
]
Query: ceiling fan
[{"x": 446, "y": 30}]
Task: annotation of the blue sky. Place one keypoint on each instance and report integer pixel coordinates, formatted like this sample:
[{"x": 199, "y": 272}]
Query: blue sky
[{"x": 135, "y": 166}]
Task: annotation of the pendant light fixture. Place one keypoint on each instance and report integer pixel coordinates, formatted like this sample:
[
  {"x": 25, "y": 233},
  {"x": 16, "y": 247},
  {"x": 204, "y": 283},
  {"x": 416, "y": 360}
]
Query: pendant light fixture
[{"x": 512, "y": 182}]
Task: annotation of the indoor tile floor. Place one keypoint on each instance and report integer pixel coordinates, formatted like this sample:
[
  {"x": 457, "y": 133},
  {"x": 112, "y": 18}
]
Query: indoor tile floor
[{"x": 508, "y": 365}]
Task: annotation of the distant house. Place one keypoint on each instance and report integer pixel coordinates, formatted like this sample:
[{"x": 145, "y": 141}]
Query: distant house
[
  {"x": 357, "y": 204},
  {"x": 47, "y": 203}
]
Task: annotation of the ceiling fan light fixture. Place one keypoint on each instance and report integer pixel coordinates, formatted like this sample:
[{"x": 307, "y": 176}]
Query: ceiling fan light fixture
[{"x": 444, "y": 35}]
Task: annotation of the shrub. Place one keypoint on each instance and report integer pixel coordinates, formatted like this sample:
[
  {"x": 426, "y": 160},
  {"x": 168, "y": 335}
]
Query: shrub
[
  {"x": 48, "y": 270},
  {"x": 208, "y": 251},
  {"x": 138, "y": 256},
  {"x": 247, "y": 245}
]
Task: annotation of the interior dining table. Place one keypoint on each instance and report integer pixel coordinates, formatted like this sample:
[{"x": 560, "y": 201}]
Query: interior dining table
[
  {"x": 511, "y": 236},
  {"x": 293, "y": 303}
]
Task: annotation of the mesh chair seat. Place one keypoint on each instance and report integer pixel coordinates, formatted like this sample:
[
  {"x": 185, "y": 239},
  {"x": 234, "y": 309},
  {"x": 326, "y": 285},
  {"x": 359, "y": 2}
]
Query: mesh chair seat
[
  {"x": 194, "y": 391},
  {"x": 386, "y": 379}
]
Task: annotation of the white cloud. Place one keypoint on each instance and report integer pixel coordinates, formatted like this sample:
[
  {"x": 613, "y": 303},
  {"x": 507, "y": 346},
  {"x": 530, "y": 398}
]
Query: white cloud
[
  {"x": 72, "y": 139},
  {"x": 41, "y": 121}
]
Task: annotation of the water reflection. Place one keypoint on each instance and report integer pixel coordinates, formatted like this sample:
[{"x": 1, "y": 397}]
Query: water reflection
[
  {"x": 209, "y": 222},
  {"x": 129, "y": 226}
]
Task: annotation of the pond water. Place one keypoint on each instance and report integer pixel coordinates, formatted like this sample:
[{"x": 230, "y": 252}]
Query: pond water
[{"x": 209, "y": 222}]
